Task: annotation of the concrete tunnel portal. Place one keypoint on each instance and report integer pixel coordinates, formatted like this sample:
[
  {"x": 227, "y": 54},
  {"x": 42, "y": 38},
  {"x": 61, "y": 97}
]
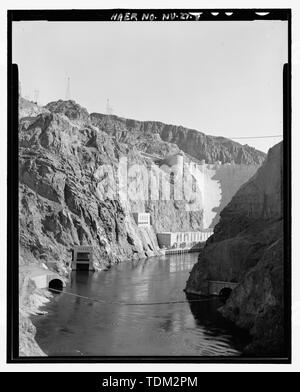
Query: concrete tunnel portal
[
  {"x": 225, "y": 292},
  {"x": 56, "y": 284}
]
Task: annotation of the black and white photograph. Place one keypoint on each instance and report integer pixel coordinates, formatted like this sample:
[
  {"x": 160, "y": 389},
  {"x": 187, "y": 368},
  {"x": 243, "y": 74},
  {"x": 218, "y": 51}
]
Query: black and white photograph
[{"x": 151, "y": 194}]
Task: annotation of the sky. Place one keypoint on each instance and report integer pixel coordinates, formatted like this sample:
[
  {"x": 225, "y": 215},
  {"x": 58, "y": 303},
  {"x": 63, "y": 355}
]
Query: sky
[{"x": 221, "y": 78}]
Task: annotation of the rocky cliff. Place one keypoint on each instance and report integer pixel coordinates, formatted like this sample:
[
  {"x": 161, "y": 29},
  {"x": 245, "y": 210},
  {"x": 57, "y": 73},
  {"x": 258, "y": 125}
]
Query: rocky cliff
[
  {"x": 71, "y": 187},
  {"x": 247, "y": 248}
]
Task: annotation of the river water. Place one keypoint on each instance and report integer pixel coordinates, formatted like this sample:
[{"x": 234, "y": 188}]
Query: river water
[{"x": 77, "y": 326}]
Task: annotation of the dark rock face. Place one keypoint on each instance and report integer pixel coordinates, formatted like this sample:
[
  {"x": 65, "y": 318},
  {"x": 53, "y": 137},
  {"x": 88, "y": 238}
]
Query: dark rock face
[
  {"x": 247, "y": 248},
  {"x": 161, "y": 139}
]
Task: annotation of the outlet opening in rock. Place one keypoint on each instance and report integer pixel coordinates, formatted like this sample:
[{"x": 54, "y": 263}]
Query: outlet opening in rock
[
  {"x": 225, "y": 293},
  {"x": 56, "y": 284},
  {"x": 82, "y": 256}
]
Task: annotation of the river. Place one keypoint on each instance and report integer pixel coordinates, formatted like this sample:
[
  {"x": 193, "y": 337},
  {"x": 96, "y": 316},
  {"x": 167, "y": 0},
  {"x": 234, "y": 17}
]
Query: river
[{"x": 77, "y": 326}]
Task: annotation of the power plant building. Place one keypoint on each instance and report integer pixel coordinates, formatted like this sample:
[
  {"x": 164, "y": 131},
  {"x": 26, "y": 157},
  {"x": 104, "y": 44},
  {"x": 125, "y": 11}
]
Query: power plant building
[{"x": 173, "y": 240}]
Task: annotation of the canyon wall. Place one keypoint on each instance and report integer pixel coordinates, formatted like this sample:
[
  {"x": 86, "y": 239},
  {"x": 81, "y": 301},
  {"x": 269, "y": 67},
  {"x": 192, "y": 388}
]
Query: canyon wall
[
  {"x": 247, "y": 248},
  {"x": 217, "y": 184},
  {"x": 69, "y": 167}
]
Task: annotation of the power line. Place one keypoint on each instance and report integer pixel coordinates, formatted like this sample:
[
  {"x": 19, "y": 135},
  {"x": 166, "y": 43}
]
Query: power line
[{"x": 132, "y": 303}]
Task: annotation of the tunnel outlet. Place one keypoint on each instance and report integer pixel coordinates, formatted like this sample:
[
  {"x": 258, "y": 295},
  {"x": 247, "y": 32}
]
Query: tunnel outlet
[
  {"x": 56, "y": 285},
  {"x": 225, "y": 293}
]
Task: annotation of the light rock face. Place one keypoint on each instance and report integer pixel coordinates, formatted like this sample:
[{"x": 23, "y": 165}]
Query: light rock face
[
  {"x": 217, "y": 182},
  {"x": 247, "y": 248},
  {"x": 144, "y": 136}
]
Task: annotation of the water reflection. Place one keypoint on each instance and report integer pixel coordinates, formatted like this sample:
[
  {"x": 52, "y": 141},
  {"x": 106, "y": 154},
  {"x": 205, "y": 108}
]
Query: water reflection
[
  {"x": 206, "y": 314},
  {"x": 79, "y": 326}
]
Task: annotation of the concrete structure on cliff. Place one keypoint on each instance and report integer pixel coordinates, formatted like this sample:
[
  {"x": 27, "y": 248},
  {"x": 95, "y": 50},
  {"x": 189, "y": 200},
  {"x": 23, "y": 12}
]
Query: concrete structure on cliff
[
  {"x": 142, "y": 218},
  {"x": 183, "y": 240},
  {"x": 82, "y": 258}
]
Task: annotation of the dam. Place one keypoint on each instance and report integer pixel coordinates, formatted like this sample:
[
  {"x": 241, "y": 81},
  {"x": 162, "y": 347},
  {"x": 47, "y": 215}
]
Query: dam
[
  {"x": 175, "y": 241},
  {"x": 82, "y": 258},
  {"x": 217, "y": 287},
  {"x": 66, "y": 200}
]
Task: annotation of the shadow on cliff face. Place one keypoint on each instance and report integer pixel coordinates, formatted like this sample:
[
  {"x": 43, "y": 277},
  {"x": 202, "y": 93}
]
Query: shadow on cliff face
[
  {"x": 231, "y": 178},
  {"x": 206, "y": 314}
]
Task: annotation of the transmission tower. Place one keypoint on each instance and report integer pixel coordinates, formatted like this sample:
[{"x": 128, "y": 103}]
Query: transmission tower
[
  {"x": 68, "y": 91},
  {"x": 36, "y": 96}
]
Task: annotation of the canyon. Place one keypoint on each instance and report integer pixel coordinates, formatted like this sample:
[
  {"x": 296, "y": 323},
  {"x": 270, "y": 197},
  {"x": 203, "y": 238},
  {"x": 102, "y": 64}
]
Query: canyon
[{"x": 69, "y": 163}]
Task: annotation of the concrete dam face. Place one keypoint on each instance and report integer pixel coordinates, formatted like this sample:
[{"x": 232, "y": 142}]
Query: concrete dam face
[
  {"x": 218, "y": 183},
  {"x": 215, "y": 183}
]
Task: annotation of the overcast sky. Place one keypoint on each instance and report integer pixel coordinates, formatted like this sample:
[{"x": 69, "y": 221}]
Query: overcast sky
[{"x": 221, "y": 78}]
